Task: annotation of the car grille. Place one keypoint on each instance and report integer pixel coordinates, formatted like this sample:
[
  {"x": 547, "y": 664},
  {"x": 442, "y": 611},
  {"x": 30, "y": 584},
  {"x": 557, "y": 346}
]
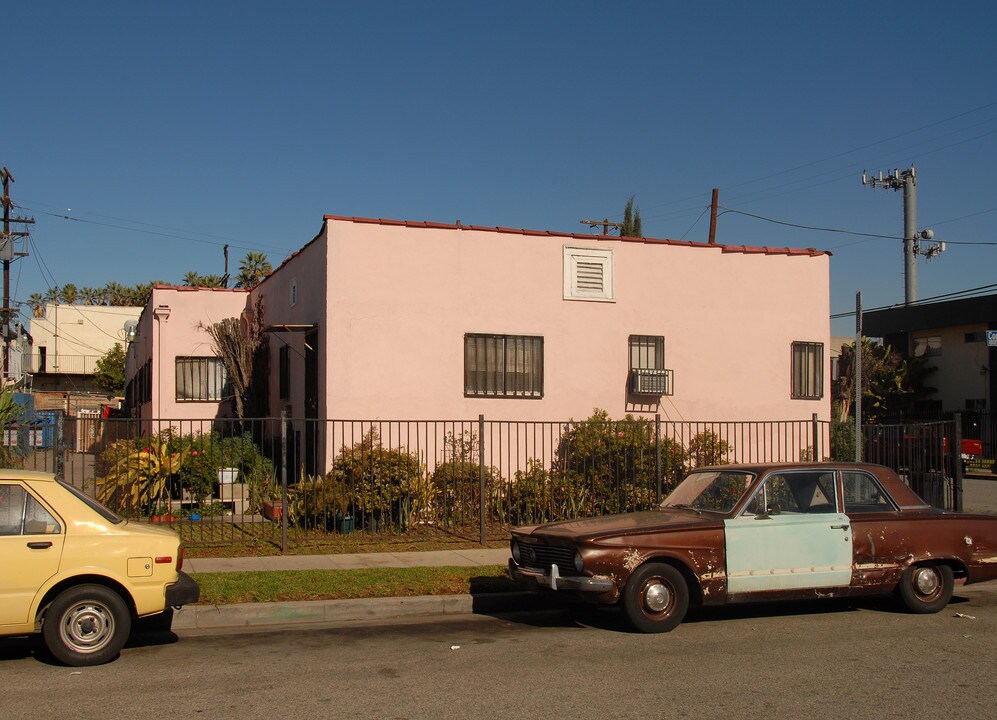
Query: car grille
[{"x": 543, "y": 556}]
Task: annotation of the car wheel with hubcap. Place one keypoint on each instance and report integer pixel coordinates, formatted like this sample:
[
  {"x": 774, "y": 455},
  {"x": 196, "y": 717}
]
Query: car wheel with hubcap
[
  {"x": 926, "y": 588},
  {"x": 86, "y": 625},
  {"x": 656, "y": 598}
]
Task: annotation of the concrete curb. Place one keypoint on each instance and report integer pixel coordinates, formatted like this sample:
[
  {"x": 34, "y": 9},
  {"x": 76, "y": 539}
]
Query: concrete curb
[{"x": 249, "y": 615}]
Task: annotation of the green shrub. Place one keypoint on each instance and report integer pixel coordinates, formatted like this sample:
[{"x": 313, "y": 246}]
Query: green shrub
[
  {"x": 537, "y": 496},
  {"x": 617, "y": 461},
  {"x": 456, "y": 482},
  {"x": 383, "y": 484},
  {"x": 314, "y": 502},
  {"x": 706, "y": 448},
  {"x": 209, "y": 452}
]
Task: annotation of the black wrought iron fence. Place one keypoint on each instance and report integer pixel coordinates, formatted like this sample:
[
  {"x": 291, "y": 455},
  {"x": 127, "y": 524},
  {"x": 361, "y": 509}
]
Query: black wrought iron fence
[
  {"x": 925, "y": 455},
  {"x": 287, "y": 479}
]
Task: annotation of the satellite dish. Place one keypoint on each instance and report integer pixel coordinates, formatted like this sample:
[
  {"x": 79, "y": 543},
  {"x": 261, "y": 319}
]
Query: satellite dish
[{"x": 131, "y": 329}]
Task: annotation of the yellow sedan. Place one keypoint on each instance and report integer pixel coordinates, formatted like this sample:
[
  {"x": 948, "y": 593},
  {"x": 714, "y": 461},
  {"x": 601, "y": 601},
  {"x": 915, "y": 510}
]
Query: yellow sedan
[{"x": 79, "y": 574}]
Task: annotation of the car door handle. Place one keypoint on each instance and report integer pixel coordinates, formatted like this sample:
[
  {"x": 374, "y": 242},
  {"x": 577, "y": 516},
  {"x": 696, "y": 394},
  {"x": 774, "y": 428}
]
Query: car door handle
[
  {"x": 39, "y": 545},
  {"x": 839, "y": 527}
]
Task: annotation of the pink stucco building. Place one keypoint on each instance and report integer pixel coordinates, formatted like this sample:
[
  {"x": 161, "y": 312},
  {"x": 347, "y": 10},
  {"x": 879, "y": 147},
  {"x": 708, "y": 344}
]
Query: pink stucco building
[
  {"x": 172, "y": 370},
  {"x": 391, "y": 320},
  {"x": 404, "y": 320}
]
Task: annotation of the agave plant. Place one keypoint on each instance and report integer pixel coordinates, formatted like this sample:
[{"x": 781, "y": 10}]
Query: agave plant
[{"x": 139, "y": 478}]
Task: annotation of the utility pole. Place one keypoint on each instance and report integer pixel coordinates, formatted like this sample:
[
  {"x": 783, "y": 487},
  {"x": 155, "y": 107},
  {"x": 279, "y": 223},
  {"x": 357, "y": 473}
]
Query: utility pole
[
  {"x": 605, "y": 224},
  {"x": 713, "y": 216},
  {"x": 6, "y": 255},
  {"x": 907, "y": 181}
]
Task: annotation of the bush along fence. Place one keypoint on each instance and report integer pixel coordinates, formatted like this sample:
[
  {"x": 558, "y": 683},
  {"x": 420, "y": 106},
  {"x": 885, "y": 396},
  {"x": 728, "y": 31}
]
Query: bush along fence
[{"x": 288, "y": 479}]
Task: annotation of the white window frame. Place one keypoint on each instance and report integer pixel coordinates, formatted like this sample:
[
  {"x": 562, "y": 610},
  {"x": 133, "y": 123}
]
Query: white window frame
[{"x": 576, "y": 260}]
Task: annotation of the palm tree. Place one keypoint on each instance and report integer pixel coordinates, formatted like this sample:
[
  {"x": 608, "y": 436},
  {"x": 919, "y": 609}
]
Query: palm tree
[
  {"x": 252, "y": 269},
  {"x": 114, "y": 293},
  {"x": 69, "y": 295},
  {"x": 36, "y": 302},
  {"x": 192, "y": 279},
  {"x": 90, "y": 296}
]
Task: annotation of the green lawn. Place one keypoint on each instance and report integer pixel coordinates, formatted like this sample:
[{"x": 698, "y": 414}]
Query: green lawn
[{"x": 290, "y": 585}]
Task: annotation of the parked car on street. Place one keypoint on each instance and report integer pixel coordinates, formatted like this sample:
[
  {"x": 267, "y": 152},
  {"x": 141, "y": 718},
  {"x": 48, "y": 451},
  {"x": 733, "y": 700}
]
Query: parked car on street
[
  {"x": 77, "y": 573},
  {"x": 744, "y": 533}
]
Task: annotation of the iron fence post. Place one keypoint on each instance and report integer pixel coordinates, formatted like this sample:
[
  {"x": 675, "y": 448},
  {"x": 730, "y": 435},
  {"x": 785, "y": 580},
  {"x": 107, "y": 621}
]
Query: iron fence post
[
  {"x": 283, "y": 481},
  {"x": 481, "y": 476},
  {"x": 957, "y": 461},
  {"x": 815, "y": 427},
  {"x": 657, "y": 456},
  {"x": 58, "y": 462}
]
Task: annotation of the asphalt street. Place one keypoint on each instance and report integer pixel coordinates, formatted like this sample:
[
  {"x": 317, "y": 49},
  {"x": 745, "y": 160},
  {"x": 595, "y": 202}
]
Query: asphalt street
[{"x": 826, "y": 659}]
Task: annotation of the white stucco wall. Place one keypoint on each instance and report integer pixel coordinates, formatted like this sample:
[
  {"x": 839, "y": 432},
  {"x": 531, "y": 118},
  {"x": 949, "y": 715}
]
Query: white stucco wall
[{"x": 75, "y": 336}]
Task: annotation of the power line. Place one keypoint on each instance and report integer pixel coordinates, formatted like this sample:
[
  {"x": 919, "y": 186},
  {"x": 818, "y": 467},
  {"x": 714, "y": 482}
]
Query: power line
[
  {"x": 956, "y": 295},
  {"x": 151, "y": 232},
  {"x": 850, "y": 232}
]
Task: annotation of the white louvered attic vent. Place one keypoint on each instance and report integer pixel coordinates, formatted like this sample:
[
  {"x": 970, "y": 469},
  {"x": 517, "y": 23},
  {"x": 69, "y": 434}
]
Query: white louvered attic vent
[{"x": 588, "y": 274}]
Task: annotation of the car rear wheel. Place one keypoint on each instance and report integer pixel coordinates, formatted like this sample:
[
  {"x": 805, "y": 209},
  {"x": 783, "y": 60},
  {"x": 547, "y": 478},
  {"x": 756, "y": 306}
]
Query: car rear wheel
[
  {"x": 926, "y": 588},
  {"x": 86, "y": 625},
  {"x": 656, "y": 598}
]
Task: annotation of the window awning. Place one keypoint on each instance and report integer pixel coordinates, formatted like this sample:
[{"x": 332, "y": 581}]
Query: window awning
[{"x": 290, "y": 328}]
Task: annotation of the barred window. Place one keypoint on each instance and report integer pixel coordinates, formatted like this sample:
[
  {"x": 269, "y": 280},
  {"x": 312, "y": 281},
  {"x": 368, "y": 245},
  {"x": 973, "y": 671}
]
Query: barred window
[
  {"x": 647, "y": 352},
  {"x": 808, "y": 370},
  {"x": 503, "y": 365},
  {"x": 201, "y": 379}
]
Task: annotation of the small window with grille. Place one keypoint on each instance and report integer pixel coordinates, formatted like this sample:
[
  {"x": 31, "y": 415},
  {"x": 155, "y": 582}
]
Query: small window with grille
[
  {"x": 647, "y": 366},
  {"x": 808, "y": 371},
  {"x": 201, "y": 379},
  {"x": 503, "y": 365}
]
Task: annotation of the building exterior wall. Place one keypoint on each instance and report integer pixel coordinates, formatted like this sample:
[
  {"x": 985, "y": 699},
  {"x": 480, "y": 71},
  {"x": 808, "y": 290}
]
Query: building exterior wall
[
  {"x": 74, "y": 337},
  {"x": 962, "y": 375},
  {"x": 400, "y": 300},
  {"x": 170, "y": 326}
]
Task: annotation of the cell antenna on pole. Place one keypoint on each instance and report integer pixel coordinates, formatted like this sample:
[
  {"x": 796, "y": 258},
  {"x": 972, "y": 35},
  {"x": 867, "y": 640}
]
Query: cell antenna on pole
[{"x": 906, "y": 180}]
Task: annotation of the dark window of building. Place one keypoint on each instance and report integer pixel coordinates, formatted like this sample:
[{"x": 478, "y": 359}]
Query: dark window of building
[
  {"x": 808, "y": 370},
  {"x": 284, "y": 375},
  {"x": 503, "y": 365}
]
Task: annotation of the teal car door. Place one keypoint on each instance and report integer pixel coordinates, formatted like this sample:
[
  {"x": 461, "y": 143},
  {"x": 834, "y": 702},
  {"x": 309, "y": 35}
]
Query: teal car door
[{"x": 791, "y": 535}]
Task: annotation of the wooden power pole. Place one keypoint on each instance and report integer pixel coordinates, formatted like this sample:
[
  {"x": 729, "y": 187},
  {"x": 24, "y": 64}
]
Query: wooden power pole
[{"x": 6, "y": 255}]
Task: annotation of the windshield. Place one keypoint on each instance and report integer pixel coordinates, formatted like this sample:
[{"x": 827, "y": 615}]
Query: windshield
[
  {"x": 93, "y": 504},
  {"x": 714, "y": 491}
]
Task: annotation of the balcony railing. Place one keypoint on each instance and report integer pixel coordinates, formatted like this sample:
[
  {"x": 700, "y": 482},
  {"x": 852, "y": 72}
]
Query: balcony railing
[{"x": 69, "y": 364}]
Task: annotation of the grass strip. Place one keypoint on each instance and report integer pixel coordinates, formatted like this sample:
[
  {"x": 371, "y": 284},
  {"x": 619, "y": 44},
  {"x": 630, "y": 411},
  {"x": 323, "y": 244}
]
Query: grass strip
[{"x": 292, "y": 585}]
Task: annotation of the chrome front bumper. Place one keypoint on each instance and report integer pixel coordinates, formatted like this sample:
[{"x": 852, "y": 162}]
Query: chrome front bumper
[{"x": 551, "y": 578}]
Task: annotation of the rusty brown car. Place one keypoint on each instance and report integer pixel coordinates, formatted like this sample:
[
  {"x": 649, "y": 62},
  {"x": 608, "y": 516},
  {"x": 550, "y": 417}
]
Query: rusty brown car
[{"x": 744, "y": 533}]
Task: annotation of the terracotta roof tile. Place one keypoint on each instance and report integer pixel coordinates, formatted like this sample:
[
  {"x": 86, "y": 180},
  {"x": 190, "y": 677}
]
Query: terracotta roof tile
[{"x": 745, "y": 249}]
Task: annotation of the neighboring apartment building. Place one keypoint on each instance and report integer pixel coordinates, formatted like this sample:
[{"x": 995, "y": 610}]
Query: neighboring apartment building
[
  {"x": 390, "y": 320},
  {"x": 952, "y": 337},
  {"x": 172, "y": 370},
  {"x": 68, "y": 340}
]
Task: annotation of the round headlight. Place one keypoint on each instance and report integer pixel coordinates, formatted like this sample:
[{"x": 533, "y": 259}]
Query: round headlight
[
  {"x": 515, "y": 552},
  {"x": 579, "y": 563}
]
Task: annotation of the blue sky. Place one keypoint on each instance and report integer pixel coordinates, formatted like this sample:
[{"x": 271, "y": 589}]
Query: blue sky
[{"x": 171, "y": 129}]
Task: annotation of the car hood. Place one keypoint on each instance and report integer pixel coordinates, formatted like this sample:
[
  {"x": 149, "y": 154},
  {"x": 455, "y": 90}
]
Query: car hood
[{"x": 626, "y": 524}]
